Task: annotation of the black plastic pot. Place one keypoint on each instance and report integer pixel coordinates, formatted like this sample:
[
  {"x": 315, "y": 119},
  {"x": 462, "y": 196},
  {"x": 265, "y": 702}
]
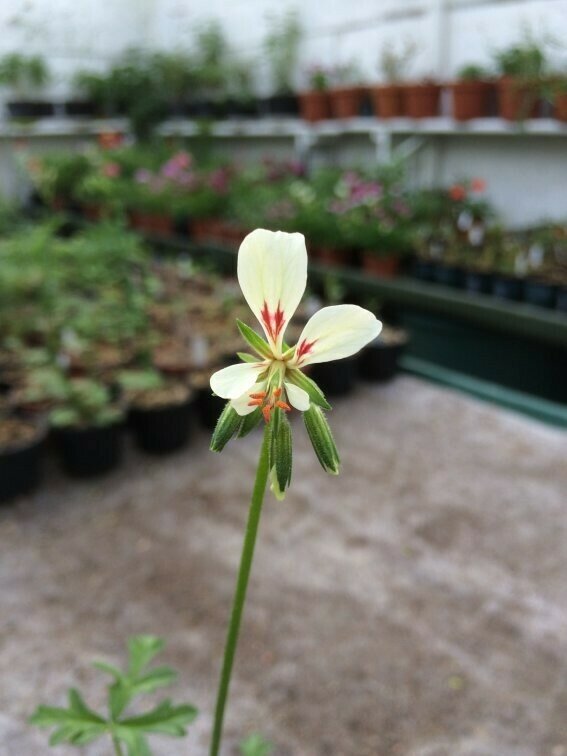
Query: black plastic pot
[
  {"x": 20, "y": 470},
  {"x": 508, "y": 287},
  {"x": 562, "y": 299},
  {"x": 336, "y": 378},
  {"x": 379, "y": 361},
  {"x": 280, "y": 105},
  {"x": 79, "y": 108},
  {"x": 540, "y": 293},
  {"x": 162, "y": 430},
  {"x": 448, "y": 275},
  {"x": 209, "y": 408},
  {"x": 25, "y": 109},
  {"x": 88, "y": 452},
  {"x": 424, "y": 270},
  {"x": 241, "y": 108},
  {"x": 477, "y": 282}
]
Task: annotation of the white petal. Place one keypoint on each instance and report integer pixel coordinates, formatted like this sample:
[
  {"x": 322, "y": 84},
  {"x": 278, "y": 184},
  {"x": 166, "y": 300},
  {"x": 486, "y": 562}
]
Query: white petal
[
  {"x": 333, "y": 333},
  {"x": 241, "y": 403},
  {"x": 298, "y": 398},
  {"x": 272, "y": 272},
  {"x": 231, "y": 382}
]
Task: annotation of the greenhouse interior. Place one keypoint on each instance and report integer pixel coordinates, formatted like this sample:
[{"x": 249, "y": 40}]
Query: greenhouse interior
[{"x": 283, "y": 378}]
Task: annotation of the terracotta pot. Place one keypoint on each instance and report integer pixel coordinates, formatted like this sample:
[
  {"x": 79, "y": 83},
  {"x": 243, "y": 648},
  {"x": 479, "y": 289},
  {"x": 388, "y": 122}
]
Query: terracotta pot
[
  {"x": 384, "y": 267},
  {"x": 471, "y": 99},
  {"x": 346, "y": 102},
  {"x": 387, "y": 101},
  {"x": 204, "y": 229},
  {"x": 517, "y": 100},
  {"x": 314, "y": 106},
  {"x": 421, "y": 100},
  {"x": 152, "y": 223},
  {"x": 561, "y": 107},
  {"x": 332, "y": 256}
]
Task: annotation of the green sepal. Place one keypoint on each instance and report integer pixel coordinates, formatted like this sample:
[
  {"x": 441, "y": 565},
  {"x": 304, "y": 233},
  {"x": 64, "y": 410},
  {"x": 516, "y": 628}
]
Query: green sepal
[
  {"x": 254, "y": 340},
  {"x": 302, "y": 381},
  {"x": 280, "y": 453},
  {"x": 283, "y": 452},
  {"x": 322, "y": 439},
  {"x": 246, "y": 357},
  {"x": 250, "y": 422},
  {"x": 227, "y": 425}
]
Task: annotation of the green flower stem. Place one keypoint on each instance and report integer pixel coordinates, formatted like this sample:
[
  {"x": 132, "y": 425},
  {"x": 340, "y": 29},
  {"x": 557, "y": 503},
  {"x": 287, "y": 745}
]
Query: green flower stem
[
  {"x": 262, "y": 473},
  {"x": 117, "y": 747}
]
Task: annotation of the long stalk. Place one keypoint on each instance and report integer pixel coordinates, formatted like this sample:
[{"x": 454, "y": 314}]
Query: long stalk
[{"x": 239, "y": 600}]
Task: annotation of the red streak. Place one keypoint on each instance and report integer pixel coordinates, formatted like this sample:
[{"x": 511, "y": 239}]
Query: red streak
[
  {"x": 274, "y": 321},
  {"x": 304, "y": 348}
]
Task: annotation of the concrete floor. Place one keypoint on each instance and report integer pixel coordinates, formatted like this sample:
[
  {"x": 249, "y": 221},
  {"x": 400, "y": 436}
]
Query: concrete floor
[{"x": 416, "y": 604}]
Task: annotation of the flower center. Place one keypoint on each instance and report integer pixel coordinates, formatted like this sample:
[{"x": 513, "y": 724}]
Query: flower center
[{"x": 268, "y": 401}]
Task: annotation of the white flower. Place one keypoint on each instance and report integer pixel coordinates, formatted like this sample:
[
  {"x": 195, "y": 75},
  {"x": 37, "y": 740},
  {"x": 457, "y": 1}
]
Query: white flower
[{"x": 272, "y": 273}]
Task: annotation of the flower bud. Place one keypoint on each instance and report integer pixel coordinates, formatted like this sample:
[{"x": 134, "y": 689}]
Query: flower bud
[
  {"x": 280, "y": 453},
  {"x": 322, "y": 439},
  {"x": 227, "y": 425}
]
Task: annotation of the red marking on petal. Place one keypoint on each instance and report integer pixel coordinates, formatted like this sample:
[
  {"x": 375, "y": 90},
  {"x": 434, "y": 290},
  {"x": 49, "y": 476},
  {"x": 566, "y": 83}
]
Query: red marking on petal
[
  {"x": 273, "y": 321},
  {"x": 304, "y": 348}
]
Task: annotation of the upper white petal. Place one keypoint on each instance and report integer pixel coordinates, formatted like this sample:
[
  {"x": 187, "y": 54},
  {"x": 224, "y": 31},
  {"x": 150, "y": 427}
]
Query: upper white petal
[
  {"x": 231, "y": 382},
  {"x": 272, "y": 272},
  {"x": 297, "y": 397},
  {"x": 333, "y": 333}
]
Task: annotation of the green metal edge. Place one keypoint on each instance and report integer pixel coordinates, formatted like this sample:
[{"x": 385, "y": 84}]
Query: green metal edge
[{"x": 526, "y": 404}]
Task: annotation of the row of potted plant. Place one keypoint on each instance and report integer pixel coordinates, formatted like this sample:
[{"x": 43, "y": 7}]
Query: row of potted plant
[
  {"x": 96, "y": 336},
  {"x": 212, "y": 81},
  {"x": 521, "y": 84},
  {"x": 351, "y": 217}
]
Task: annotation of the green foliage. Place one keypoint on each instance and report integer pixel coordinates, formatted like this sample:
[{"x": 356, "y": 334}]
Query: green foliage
[
  {"x": 394, "y": 64},
  {"x": 79, "y": 725},
  {"x": 282, "y": 49},
  {"x": 525, "y": 60},
  {"x": 85, "y": 403},
  {"x": 24, "y": 74},
  {"x": 472, "y": 72}
]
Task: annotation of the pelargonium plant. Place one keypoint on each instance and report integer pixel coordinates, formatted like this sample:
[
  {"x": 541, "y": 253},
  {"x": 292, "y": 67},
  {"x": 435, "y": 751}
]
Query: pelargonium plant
[{"x": 269, "y": 385}]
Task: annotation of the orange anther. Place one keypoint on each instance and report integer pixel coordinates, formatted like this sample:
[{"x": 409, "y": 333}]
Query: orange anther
[
  {"x": 259, "y": 395},
  {"x": 255, "y": 403},
  {"x": 266, "y": 412},
  {"x": 284, "y": 406},
  {"x": 277, "y": 392}
]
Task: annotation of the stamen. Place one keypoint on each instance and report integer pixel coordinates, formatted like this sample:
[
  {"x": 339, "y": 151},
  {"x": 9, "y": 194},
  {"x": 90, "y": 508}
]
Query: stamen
[
  {"x": 284, "y": 406},
  {"x": 255, "y": 403},
  {"x": 258, "y": 395},
  {"x": 277, "y": 392},
  {"x": 266, "y": 410}
]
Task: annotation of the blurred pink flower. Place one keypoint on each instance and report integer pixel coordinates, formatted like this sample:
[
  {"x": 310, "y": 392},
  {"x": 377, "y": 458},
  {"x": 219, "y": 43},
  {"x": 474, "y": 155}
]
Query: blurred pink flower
[{"x": 111, "y": 170}]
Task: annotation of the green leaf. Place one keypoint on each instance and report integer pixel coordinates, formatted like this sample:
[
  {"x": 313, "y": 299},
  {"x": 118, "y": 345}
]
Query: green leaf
[
  {"x": 322, "y": 439},
  {"x": 256, "y": 745},
  {"x": 164, "y": 718},
  {"x": 160, "y": 677},
  {"x": 315, "y": 394},
  {"x": 250, "y": 422},
  {"x": 120, "y": 694},
  {"x": 227, "y": 425},
  {"x": 254, "y": 340},
  {"x": 110, "y": 669},
  {"x": 141, "y": 650}
]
